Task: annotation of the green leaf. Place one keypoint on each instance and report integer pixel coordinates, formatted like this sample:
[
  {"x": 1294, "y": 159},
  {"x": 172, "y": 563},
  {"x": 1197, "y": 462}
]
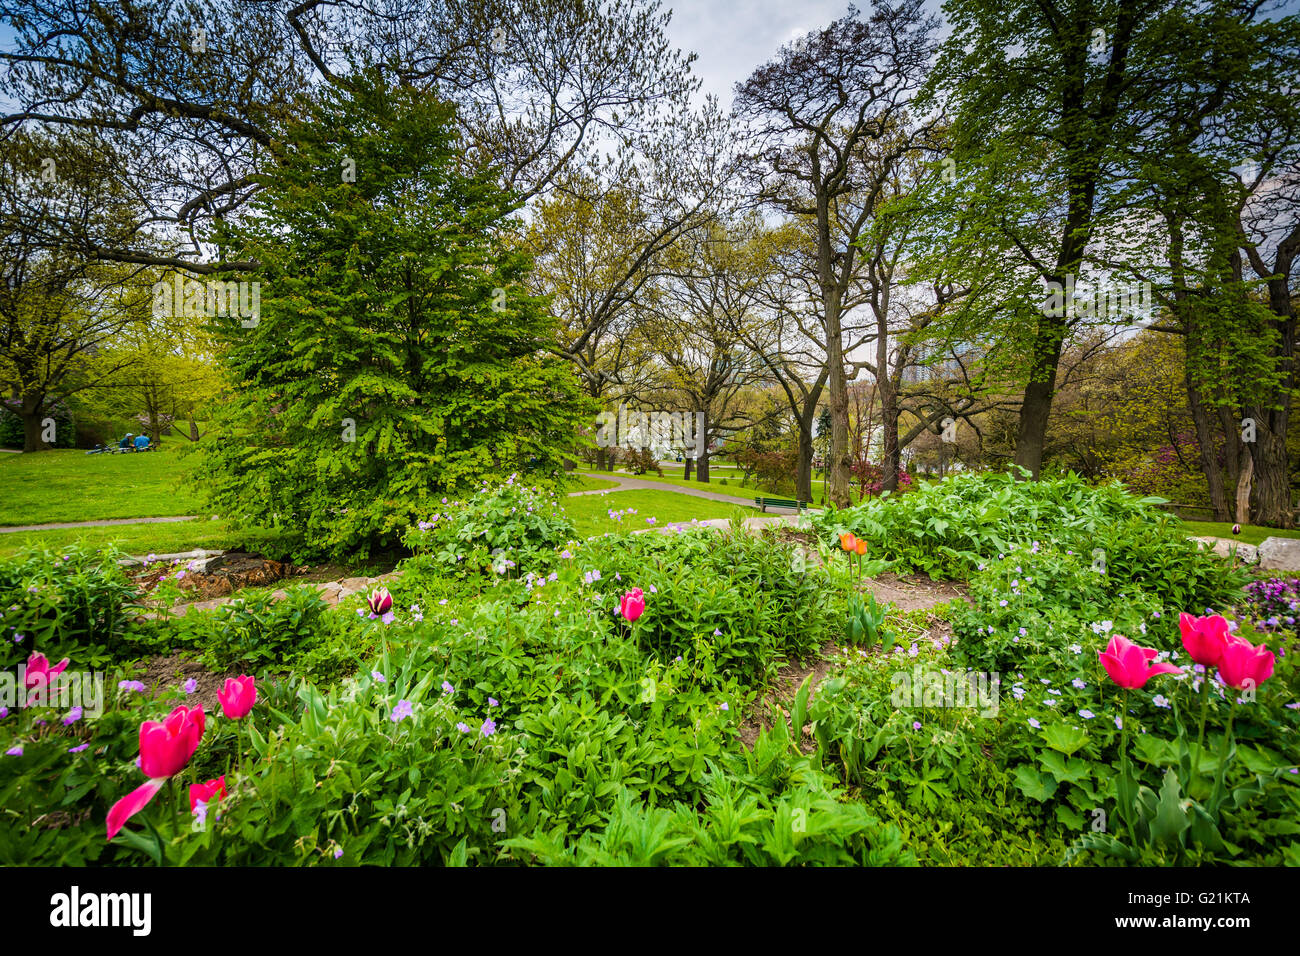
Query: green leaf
[{"x": 1064, "y": 738}]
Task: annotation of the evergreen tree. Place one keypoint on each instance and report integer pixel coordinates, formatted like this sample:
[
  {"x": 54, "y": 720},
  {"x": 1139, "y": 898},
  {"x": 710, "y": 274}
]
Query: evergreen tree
[{"x": 397, "y": 357}]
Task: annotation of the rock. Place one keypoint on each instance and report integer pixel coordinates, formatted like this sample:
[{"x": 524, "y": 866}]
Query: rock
[
  {"x": 351, "y": 586},
  {"x": 1280, "y": 554},
  {"x": 1224, "y": 547}
]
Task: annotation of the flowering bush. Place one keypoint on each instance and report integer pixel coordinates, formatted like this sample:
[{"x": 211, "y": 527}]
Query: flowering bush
[
  {"x": 1274, "y": 605},
  {"x": 871, "y": 478},
  {"x": 496, "y": 528}
]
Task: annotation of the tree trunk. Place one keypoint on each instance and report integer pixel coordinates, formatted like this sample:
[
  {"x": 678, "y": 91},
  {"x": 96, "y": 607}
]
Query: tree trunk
[
  {"x": 32, "y": 411},
  {"x": 1031, "y": 435},
  {"x": 1247, "y": 470},
  {"x": 702, "y": 465},
  {"x": 889, "y": 425},
  {"x": 803, "y": 471},
  {"x": 1273, "y": 486}
]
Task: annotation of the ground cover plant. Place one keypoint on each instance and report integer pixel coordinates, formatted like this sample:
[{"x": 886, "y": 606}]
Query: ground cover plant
[{"x": 610, "y": 701}]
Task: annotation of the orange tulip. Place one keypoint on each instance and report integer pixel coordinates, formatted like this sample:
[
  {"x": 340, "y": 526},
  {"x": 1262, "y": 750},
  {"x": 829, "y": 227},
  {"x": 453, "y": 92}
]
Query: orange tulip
[
  {"x": 860, "y": 546},
  {"x": 847, "y": 541}
]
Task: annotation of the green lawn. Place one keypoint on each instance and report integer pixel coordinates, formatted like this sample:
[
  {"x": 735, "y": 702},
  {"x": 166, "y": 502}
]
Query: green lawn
[
  {"x": 732, "y": 487},
  {"x": 590, "y": 513},
  {"x": 1250, "y": 533},
  {"x": 140, "y": 538},
  {"x": 55, "y": 486},
  {"x": 576, "y": 482}
]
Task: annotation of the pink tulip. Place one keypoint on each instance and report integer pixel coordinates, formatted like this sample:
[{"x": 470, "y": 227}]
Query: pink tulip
[
  {"x": 632, "y": 604},
  {"x": 1130, "y": 666},
  {"x": 203, "y": 792},
  {"x": 238, "y": 697},
  {"x": 380, "y": 600},
  {"x": 165, "y": 749},
  {"x": 1245, "y": 665},
  {"x": 39, "y": 673},
  {"x": 1204, "y": 637}
]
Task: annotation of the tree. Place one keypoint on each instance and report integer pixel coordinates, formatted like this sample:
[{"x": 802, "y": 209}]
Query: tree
[
  {"x": 399, "y": 356},
  {"x": 811, "y": 112},
  {"x": 1046, "y": 98},
  {"x": 708, "y": 295},
  {"x": 56, "y": 308},
  {"x": 198, "y": 92}
]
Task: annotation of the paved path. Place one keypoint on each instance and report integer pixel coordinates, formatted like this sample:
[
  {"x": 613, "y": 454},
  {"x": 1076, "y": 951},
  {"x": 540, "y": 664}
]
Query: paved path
[
  {"x": 628, "y": 483},
  {"x": 95, "y": 524}
]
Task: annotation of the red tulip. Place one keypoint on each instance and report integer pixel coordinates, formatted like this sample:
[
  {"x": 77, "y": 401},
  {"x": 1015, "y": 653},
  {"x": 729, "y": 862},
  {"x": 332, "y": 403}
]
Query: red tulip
[
  {"x": 632, "y": 604},
  {"x": 1129, "y": 665},
  {"x": 1245, "y": 665},
  {"x": 238, "y": 696},
  {"x": 203, "y": 792},
  {"x": 40, "y": 674},
  {"x": 380, "y": 600},
  {"x": 1204, "y": 637},
  {"x": 165, "y": 749}
]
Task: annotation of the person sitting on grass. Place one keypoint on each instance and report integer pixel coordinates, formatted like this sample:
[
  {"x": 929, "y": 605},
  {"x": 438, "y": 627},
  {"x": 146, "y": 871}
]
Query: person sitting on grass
[
  {"x": 125, "y": 443},
  {"x": 141, "y": 442}
]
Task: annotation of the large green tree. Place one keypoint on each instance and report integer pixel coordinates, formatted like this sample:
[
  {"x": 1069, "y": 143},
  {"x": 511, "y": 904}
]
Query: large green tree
[{"x": 397, "y": 356}]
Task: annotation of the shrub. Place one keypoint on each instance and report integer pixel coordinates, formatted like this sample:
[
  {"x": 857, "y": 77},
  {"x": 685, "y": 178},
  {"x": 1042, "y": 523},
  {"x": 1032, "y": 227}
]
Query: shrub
[{"x": 498, "y": 526}]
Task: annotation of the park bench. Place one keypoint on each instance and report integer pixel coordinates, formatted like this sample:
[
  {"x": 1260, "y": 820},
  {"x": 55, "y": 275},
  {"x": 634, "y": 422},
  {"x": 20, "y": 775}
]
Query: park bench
[{"x": 765, "y": 503}]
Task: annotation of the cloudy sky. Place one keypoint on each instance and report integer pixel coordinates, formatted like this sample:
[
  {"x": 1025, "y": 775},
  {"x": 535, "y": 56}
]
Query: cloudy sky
[{"x": 733, "y": 37}]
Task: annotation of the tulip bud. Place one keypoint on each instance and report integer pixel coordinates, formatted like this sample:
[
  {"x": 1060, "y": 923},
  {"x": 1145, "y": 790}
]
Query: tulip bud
[{"x": 380, "y": 601}]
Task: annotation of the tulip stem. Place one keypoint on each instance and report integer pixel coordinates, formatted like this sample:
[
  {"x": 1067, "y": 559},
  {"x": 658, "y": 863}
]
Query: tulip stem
[
  {"x": 1127, "y": 786},
  {"x": 1205, "y": 706},
  {"x": 1223, "y": 758}
]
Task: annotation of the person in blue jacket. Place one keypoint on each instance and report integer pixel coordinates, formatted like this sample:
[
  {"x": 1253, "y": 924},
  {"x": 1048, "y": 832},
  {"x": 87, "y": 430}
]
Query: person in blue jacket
[{"x": 141, "y": 442}]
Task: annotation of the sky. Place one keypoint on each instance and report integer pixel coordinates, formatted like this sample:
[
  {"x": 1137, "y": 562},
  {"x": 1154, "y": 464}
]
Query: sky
[{"x": 734, "y": 37}]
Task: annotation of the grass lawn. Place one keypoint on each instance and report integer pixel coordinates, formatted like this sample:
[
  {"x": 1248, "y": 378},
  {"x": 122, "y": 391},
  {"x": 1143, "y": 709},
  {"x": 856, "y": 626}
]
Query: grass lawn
[
  {"x": 732, "y": 487},
  {"x": 69, "y": 485},
  {"x": 590, "y": 513},
  {"x": 1250, "y": 533},
  {"x": 141, "y": 538},
  {"x": 576, "y": 482}
]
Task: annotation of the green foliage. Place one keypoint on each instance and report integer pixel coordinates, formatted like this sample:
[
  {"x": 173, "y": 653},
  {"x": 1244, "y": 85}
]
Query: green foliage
[
  {"x": 258, "y": 633},
  {"x": 77, "y": 604},
  {"x": 499, "y": 527},
  {"x": 416, "y": 361},
  {"x": 600, "y": 747},
  {"x": 946, "y": 528}
]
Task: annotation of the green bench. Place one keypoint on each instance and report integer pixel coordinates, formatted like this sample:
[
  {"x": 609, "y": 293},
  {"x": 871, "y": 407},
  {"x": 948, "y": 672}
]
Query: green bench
[{"x": 765, "y": 503}]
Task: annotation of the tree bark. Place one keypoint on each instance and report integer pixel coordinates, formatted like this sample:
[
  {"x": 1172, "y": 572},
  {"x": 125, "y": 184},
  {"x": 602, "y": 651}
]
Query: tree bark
[
  {"x": 32, "y": 410},
  {"x": 1247, "y": 470},
  {"x": 702, "y": 465}
]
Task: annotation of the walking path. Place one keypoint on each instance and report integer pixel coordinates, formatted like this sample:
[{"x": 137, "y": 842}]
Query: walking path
[
  {"x": 629, "y": 483},
  {"x": 95, "y": 524}
]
